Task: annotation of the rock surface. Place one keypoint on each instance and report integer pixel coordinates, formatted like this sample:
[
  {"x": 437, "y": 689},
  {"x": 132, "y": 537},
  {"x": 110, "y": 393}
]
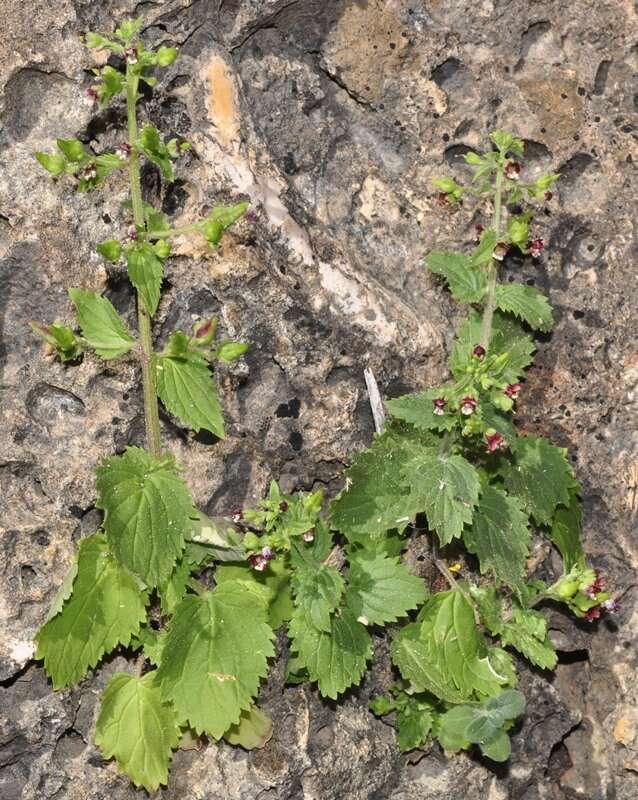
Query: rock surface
[{"x": 332, "y": 116}]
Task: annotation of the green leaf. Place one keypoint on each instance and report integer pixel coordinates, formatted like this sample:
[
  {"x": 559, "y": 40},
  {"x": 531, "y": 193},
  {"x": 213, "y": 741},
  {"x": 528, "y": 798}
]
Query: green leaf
[
  {"x": 166, "y": 56},
  {"x": 448, "y": 487},
  {"x": 219, "y": 535},
  {"x": 129, "y": 29},
  {"x": 507, "y": 143},
  {"x": 101, "y": 325},
  {"x": 93, "y": 40},
  {"x": 64, "y": 592},
  {"x": 527, "y": 633},
  {"x": 377, "y": 497},
  {"x": 54, "y": 164},
  {"x": 467, "y": 284},
  {"x": 67, "y": 345},
  {"x": 418, "y": 410},
  {"x": 566, "y": 532},
  {"x": 187, "y": 389},
  {"x": 71, "y": 149},
  {"x": 111, "y": 250},
  {"x": 540, "y": 476},
  {"x": 145, "y": 270},
  {"x": 172, "y": 590},
  {"x": 215, "y": 655},
  {"x": 413, "y": 727},
  {"x": 381, "y": 705},
  {"x": 381, "y": 589},
  {"x": 518, "y": 230},
  {"x": 508, "y": 337},
  {"x": 152, "y": 643},
  {"x": 483, "y": 251},
  {"x": 231, "y": 351},
  {"x": 155, "y": 150},
  {"x": 221, "y": 218},
  {"x": 337, "y": 658},
  {"x": 527, "y": 303},
  {"x": 444, "y": 653},
  {"x": 273, "y": 582},
  {"x": 499, "y": 536},
  {"x": 137, "y": 728},
  {"x": 105, "y": 609},
  {"x": 498, "y": 748},
  {"x": 253, "y": 731},
  {"x": 317, "y": 592},
  {"x": 112, "y": 84},
  {"x": 147, "y": 511}
]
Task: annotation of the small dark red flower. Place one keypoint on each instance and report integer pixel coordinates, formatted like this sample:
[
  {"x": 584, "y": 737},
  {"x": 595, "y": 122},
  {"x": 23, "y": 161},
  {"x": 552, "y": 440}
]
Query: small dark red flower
[
  {"x": 597, "y": 586},
  {"x": 468, "y": 405},
  {"x": 91, "y": 96},
  {"x": 309, "y": 536},
  {"x": 592, "y": 614},
  {"x": 123, "y": 151},
  {"x": 283, "y": 506},
  {"x": 439, "y": 406},
  {"x": 536, "y": 247},
  {"x": 202, "y": 331},
  {"x": 89, "y": 172},
  {"x": 442, "y": 199},
  {"x": 258, "y": 562},
  {"x": 512, "y": 390},
  {"x": 478, "y": 228},
  {"x": 495, "y": 442},
  {"x": 237, "y": 514},
  {"x": 132, "y": 233},
  {"x": 131, "y": 55},
  {"x": 548, "y": 196},
  {"x": 512, "y": 170},
  {"x": 500, "y": 251},
  {"x": 479, "y": 351},
  {"x": 612, "y": 605}
]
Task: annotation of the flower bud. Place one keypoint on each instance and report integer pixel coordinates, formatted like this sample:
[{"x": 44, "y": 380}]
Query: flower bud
[
  {"x": 131, "y": 55},
  {"x": 309, "y": 536},
  {"x": 494, "y": 441},
  {"x": 479, "y": 351},
  {"x": 512, "y": 170},
  {"x": 536, "y": 247},
  {"x": 204, "y": 331},
  {"x": 123, "y": 151},
  {"x": 500, "y": 251},
  {"x": 512, "y": 390},
  {"x": 283, "y": 506},
  {"x": 91, "y": 96}
]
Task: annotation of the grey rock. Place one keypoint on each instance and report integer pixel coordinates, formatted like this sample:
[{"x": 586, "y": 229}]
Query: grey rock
[{"x": 332, "y": 117}]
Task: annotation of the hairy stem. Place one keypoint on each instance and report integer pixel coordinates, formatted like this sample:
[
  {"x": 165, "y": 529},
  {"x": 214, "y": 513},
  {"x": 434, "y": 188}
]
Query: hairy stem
[
  {"x": 170, "y": 233},
  {"x": 490, "y": 302},
  {"x": 147, "y": 357}
]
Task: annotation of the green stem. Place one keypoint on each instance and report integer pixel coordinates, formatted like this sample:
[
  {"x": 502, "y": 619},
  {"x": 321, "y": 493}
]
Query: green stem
[
  {"x": 492, "y": 276},
  {"x": 170, "y": 233},
  {"x": 147, "y": 358}
]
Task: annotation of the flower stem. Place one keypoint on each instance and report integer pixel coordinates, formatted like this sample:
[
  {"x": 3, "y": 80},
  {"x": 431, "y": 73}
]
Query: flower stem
[
  {"x": 147, "y": 357},
  {"x": 170, "y": 233},
  {"x": 492, "y": 276}
]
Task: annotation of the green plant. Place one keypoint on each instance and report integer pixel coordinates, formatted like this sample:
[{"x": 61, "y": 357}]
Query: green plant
[
  {"x": 198, "y": 600},
  {"x": 454, "y": 454}
]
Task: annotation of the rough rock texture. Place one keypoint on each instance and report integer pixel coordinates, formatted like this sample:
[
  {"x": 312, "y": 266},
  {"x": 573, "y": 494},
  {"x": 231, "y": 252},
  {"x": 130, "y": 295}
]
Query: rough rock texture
[{"x": 332, "y": 116}]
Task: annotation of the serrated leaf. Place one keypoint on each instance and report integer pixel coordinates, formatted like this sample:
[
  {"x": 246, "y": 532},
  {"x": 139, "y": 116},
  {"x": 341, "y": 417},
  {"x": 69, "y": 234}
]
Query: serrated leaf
[
  {"x": 467, "y": 283},
  {"x": 215, "y": 656},
  {"x": 413, "y": 727},
  {"x": 101, "y": 325},
  {"x": 508, "y": 337},
  {"x": 418, "y": 410},
  {"x": 64, "y": 592},
  {"x": 147, "y": 512},
  {"x": 448, "y": 487},
  {"x": 71, "y": 149},
  {"x": 187, "y": 388},
  {"x": 274, "y": 581},
  {"x": 317, "y": 592},
  {"x": 253, "y": 731},
  {"x": 145, "y": 270},
  {"x": 377, "y": 497},
  {"x": 172, "y": 590},
  {"x": 110, "y": 250},
  {"x": 527, "y": 303},
  {"x": 540, "y": 476},
  {"x": 499, "y": 536},
  {"x": 152, "y": 643},
  {"x": 155, "y": 150},
  {"x": 482, "y": 253},
  {"x": 219, "y": 536},
  {"x": 137, "y": 728},
  {"x": 527, "y": 633},
  {"x": 337, "y": 658},
  {"x": 105, "y": 609},
  {"x": 381, "y": 589},
  {"x": 444, "y": 653},
  {"x": 566, "y": 532}
]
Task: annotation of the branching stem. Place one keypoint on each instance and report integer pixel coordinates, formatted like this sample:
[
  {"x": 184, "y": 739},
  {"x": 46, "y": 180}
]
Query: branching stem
[{"x": 147, "y": 359}]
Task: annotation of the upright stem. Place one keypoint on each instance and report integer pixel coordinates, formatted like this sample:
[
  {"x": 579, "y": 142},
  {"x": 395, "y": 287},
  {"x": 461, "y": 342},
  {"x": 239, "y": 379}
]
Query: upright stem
[
  {"x": 147, "y": 358},
  {"x": 490, "y": 302}
]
